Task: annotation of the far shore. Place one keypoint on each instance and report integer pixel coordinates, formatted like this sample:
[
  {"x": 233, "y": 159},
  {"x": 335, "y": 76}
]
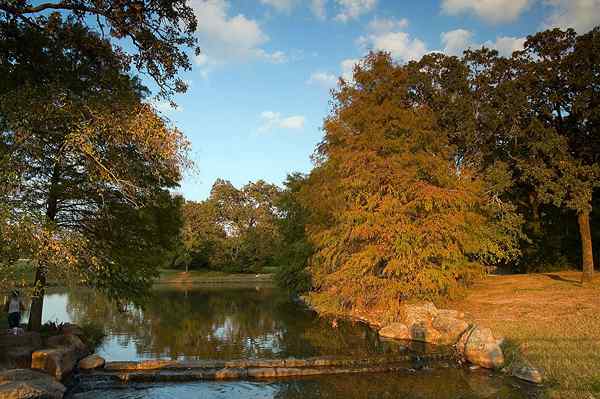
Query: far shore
[{"x": 194, "y": 277}]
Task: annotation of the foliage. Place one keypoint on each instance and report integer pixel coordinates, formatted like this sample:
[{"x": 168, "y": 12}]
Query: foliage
[
  {"x": 93, "y": 335},
  {"x": 152, "y": 31},
  {"x": 294, "y": 250},
  {"x": 90, "y": 162},
  {"x": 398, "y": 213},
  {"x": 234, "y": 230}
]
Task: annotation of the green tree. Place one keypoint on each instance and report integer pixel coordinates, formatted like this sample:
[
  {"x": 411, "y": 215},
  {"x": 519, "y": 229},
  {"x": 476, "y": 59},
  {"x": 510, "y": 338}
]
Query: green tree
[
  {"x": 248, "y": 216},
  {"x": 294, "y": 250},
  {"x": 86, "y": 152},
  {"x": 538, "y": 117},
  {"x": 155, "y": 33}
]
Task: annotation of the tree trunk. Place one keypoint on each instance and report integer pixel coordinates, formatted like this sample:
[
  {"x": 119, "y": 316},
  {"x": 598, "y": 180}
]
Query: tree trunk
[
  {"x": 37, "y": 300},
  {"x": 583, "y": 219}
]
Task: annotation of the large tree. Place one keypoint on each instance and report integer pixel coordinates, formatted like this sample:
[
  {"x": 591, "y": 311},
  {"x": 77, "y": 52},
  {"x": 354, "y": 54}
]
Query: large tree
[
  {"x": 153, "y": 33},
  {"x": 397, "y": 212},
  {"x": 86, "y": 153},
  {"x": 537, "y": 115}
]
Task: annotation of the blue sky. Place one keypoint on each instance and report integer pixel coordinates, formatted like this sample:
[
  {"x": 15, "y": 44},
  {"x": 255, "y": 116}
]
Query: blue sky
[{"x": 260, "y": 90}]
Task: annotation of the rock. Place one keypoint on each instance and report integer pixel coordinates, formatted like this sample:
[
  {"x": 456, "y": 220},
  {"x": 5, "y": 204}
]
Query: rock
[
  {"x": 527, "y": 373},
  {"x": 29, "y": 384},
  {"x": 16, "y": 350},
  {"x": 91, "y": 362},
  {"x": 71, "y": 329},
  {"x": 423, "y": 322},
  {"x": 450, "y": 329},
  {"x": 61, "y": 358},
  {"x": 27, "y": 339},
  {"x": 395, "y": 331},
  {"x": 479, "y": 347}
]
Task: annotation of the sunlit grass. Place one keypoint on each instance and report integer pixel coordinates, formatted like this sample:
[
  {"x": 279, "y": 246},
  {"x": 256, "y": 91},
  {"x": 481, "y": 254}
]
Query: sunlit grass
[{"x": 550, "y": 320}]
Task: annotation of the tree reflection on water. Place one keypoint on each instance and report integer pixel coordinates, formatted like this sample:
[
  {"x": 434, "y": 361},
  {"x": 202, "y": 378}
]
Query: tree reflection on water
[{"x": 221, "y": 323}]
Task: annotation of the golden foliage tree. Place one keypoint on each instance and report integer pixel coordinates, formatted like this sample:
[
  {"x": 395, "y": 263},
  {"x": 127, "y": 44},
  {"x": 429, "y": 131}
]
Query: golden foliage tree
[{"x": 397, "y": 214}]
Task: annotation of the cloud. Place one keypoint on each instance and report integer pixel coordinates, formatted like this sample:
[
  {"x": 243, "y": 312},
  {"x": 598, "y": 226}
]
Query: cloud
[
  {"x": 399, "y": 44},
  {"x": 318, "y": 8},
  {"x": 280, "y": 5},
  {"x": 506, "y": 45},
  {"x": 352, "y": 9},
  {"x": 458, "y": 40},
  {"x": 381, "y": 25},
  {"x": 274, "y": 120},
  {"x": 225, "y": 39},
  {"x": 581, "y": 15},
  {"x": 324, "y": 79},
  {"x": 494, "y": 11},
  {"x": 347, "y": 66}
]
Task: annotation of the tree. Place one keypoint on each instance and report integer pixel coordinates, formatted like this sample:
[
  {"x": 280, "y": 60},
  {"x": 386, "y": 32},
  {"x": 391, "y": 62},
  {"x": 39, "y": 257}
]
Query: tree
[
  {"x": 539, "y": 117},
  {"x": 154, "y": 30},
  {"x": 398, "y": 214},
  {"x": 248, "y": 216},
  {"x": 294, "y": 250},
  {"x": 86, "y": 152},
  {"x": 203, "y": 238}
]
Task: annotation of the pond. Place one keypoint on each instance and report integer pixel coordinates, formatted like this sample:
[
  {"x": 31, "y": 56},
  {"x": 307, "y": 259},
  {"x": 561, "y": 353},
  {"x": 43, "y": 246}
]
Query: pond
[{"x": 258, "y": 321}]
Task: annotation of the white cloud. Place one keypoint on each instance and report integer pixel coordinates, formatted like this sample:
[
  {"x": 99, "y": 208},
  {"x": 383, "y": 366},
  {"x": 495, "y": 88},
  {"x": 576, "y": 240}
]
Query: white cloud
[
  {"x": 324, "y": 79},
  {"x": 226, "y": 39},
  {"x": 318, "y": 8},
  {"x": 581, "y": 15},
  {"x": 352, "y": 9},
  {"x": 495, "y": 11},
  {"x": 506, "y": 45},
  {"x": 274, "y": 120},
  {"x": 382, "y": 25},
  {"x": 280, "y": 5},
  {"x": 458, "y": 40},
  {"x": 399, "y": 44},
  {"x": 347, "y": 66}
]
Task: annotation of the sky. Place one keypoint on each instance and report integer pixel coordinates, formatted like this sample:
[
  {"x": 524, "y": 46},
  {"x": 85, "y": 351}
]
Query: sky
[{"x": 260, "y": 89}]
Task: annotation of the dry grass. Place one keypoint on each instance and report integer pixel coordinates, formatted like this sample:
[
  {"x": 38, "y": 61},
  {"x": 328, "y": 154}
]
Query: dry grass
[{"x": 548, "y": 319}]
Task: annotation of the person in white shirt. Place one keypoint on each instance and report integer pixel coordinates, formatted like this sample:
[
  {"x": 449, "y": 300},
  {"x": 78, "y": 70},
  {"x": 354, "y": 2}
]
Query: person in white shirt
[{"x": 14, "y": 307}]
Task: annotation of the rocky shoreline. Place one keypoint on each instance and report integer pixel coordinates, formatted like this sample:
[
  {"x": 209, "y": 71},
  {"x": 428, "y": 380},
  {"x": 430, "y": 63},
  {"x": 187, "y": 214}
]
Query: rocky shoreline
[
  {"x": 472, "y": 344},
  {"x": 36, "y": 366}
]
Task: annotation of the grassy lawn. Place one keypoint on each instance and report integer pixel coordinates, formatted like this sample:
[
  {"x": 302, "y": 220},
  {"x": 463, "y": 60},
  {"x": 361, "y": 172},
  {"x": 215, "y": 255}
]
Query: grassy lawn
[
  {"x": 168, "y": 276},
  {"x": 550, "y": 320}
]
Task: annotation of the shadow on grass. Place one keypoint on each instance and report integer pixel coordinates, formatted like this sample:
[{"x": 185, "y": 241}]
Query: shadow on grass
[{"x": 557, "y": 277}]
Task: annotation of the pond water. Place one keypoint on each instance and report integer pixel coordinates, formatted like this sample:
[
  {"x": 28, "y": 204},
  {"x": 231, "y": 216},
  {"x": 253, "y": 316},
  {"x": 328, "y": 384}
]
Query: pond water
[{"x": 233, "y": 322}]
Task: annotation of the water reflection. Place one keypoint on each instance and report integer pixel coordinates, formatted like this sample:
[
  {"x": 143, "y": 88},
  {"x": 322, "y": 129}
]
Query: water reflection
[
  {"x": 216, "y": 323},
  {"x": 251, "y": 322},
  {"x": 433, "y": 384}
]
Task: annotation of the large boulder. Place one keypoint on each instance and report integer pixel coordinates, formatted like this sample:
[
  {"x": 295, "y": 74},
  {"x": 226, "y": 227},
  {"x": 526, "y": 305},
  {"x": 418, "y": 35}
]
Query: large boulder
[
  {"x": 91, "y": 362},
  {"x": 16, "y": 350},
  {"x": 64, "y": 353},
  {"x": 479, "y": 347},
  {"x": 423, "y": 322},
  {"x": 29, "y": 384},
  {"x": 395, "y": 331}
]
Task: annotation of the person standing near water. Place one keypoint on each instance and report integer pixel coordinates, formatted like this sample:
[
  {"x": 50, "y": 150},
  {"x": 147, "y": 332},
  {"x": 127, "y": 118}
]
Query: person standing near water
[{"x": 14, "y": 307}]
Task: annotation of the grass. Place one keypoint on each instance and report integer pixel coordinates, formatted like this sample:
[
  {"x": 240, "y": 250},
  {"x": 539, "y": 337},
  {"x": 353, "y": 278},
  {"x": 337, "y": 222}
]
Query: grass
[
  {"x": 549, "y": 320},
  {"x": 178, "y": 277}
]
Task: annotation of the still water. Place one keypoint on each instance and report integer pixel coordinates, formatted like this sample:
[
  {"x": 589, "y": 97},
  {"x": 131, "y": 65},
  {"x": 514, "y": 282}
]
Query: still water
[{"x": 233, "y": 322}]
